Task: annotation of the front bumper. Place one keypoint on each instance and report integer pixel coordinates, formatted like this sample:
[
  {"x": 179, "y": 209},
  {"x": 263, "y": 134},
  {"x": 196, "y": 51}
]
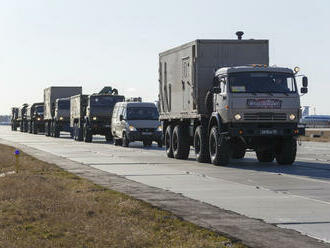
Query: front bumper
[
  {"x": 141, "y": 136},
  {"x": 265, "y": 129}
]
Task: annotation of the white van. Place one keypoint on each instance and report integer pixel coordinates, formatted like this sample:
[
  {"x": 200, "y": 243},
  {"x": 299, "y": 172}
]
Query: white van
[{"x": 136, "y": 121}]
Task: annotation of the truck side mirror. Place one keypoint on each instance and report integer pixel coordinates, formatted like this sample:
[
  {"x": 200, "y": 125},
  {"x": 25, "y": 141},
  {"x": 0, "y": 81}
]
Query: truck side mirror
[
  {"x": 305, "y": 82},
  {"x": 121, "y": 117},
  {"x": 216, "y": 90},
  {"x": 303, "y": 90}
]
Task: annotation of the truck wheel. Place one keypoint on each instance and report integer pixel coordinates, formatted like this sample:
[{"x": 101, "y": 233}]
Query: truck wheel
[
  {"x": 109, "y": 137},
  {"x": 147, "y": 142},
  {"x": 125, "y": 141},
  {"x": 79, "y": 134},
  {"x": 238, "y": 152},
  {"x": 286, "y": 152},
  {"x": 180, "y": 143},
  {"x": 117, "y": 142},
  {"x": 168, "y": 141},
  {"x": 88, "y": 137},
  {"x": 56, "y": 130},
  {"x": 201, "y": 145},
  {"x": 219, "y": 148},
  {"x": 160, "y": 143},
  {"x": 265, "y": 156},
  {"x": 34, "y": 128}
]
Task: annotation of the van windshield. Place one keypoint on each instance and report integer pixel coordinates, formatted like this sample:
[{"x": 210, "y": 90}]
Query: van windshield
[
  {"x": 142, "y": 113},
  {"x": 262, "y": 82}
]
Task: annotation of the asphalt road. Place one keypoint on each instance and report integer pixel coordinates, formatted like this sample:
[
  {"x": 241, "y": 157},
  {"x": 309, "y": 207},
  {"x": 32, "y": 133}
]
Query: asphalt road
[{"x": 294, "y": 197}]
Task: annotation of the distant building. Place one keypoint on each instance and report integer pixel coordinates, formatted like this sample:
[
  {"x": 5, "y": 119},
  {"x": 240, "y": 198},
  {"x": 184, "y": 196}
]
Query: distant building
[
  {"x": 316, "y": 121},
  {"x": 4, "y": 119}
]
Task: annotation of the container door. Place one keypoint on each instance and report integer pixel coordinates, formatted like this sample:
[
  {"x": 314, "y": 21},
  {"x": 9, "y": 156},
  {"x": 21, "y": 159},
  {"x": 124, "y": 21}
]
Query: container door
[{"x": 186, "y": 83}]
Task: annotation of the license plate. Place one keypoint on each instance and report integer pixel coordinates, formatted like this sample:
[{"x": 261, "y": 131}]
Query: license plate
[
  {"x": 268, "y": 131},
  {"x": 146, "y": 133}
]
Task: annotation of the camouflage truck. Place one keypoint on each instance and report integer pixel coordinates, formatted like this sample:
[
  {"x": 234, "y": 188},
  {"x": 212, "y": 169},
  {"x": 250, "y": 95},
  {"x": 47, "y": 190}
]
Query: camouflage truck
[
  {"x": 57, "y": 112},
  {"x": 94, "y": 115},
  {"x": 35, "y": 118},
  {"x": 14, "y": 119},
  {"x": 222, "y": 98},
  {"x": 21, "y": 118}
]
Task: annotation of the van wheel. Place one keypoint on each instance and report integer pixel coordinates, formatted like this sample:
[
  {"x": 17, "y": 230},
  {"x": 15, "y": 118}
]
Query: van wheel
[
  {"x": 219, "y": 148},
  {"x": 201, "y": 145},
  {"x": 287, "y": 150},
  {"x": 180, "y": 143},
  {"x": 265, "y": 156},
  {"x": 125, "y": 142},
  {"x": 168, "y": 141}
]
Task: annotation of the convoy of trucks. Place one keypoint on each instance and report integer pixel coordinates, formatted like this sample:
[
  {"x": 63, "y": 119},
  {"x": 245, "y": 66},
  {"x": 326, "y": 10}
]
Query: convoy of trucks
[
  {"x": 222, "y": 97},
  {"x": 219, "y": 96}
]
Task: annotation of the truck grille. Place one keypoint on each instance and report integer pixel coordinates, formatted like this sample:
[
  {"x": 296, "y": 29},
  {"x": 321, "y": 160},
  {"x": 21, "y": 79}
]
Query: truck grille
[
  {"x": 146, "y": 129},
  {"x": 265, "y": 116}
]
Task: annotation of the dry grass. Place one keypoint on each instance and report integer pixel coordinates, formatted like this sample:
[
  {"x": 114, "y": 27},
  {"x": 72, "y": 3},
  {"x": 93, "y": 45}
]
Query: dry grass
[
  {"x": 324, "y": 136},
  {"x": 44, "y": 206}
]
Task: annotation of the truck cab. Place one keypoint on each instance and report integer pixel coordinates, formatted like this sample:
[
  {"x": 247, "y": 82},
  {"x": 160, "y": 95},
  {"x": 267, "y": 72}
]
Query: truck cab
[
  {"x": 35, "y": 118},
  {"x": 61, "y": 121},
  {"x": 14, "y": 117},
  {"x": 256, "y": 107}
]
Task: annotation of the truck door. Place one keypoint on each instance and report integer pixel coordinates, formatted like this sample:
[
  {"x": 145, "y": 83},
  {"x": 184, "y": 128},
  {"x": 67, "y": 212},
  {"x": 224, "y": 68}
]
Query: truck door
[
  {"x": 221, "y": 100},
  {"x": 186, "y": 83}
]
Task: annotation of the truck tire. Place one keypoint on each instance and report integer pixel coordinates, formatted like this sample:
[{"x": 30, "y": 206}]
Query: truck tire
[
  {"x": 109, "y": 137},
  {"x": 79, "y": 134},
  {"x": 117, "y": 142},
  {"x": 180, "y": 143},
  {"x": 160, "y": 143},
  {"x": 219, "y": 148},
  {"x": 56, "y": 130},
  {"x": 34, "y": 128},
  {"x": 201, "y": 145},
  {"x": 265, "y": 156},
  {"x": 286, "y": 152},
  {"x": 168, "y": 141},
  {"x": 88, "y": 137},
  {"x": 46, "y": 129},
  {"x": 125, "y": 140},
  {"x": 238, "y": 150}
]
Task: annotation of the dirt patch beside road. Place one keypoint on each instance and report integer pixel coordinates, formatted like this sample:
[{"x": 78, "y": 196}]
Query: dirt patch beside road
[
  {"x": 316, "y": 136},
  {"x": 45, "y": 206}
]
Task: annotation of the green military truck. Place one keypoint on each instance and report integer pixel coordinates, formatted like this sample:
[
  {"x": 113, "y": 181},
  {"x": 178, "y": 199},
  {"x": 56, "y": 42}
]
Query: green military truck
[
  {"x": 35, "y": 118},
  {"x": 222, "y": 97},
  {"x": 13, "y": 120},
  {"x": 91, "y": 115},
  {"x": 57, "y": 108},
  {"x": 21, "y": 118}
]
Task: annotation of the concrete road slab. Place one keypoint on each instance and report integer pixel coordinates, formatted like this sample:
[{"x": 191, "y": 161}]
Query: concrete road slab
[{"x": 294, "y": 197}]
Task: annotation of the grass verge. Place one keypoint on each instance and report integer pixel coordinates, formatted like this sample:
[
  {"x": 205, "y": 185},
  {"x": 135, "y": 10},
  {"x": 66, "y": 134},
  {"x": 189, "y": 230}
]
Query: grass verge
[{"x": 45, "y": 206}]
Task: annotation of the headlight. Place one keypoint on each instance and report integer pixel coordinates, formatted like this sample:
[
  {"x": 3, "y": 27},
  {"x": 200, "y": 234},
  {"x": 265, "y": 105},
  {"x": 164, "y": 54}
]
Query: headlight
[
  {"x": 61, "y": 118},
  {"x": 94, "y": 118},
  {"x": 38, "y": 118},
  {"x": 292, "y": 117},
  {"x": 237, "y": 117},
  {"x": 160, "y": 128},
  {"x": 131, "y": 128}
]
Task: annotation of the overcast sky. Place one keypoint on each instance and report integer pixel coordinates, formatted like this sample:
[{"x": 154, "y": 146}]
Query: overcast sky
[{"x": 104, "y": 42}]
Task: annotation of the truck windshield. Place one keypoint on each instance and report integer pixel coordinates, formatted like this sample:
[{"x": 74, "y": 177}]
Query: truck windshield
[
  {"x": 40, "y": 109},
  {"x": 104, "y": 101},
  {"x": 64, "y": 104},
  {"x": 262, "y": 82},
  {"x": 142, "y": 113}
]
